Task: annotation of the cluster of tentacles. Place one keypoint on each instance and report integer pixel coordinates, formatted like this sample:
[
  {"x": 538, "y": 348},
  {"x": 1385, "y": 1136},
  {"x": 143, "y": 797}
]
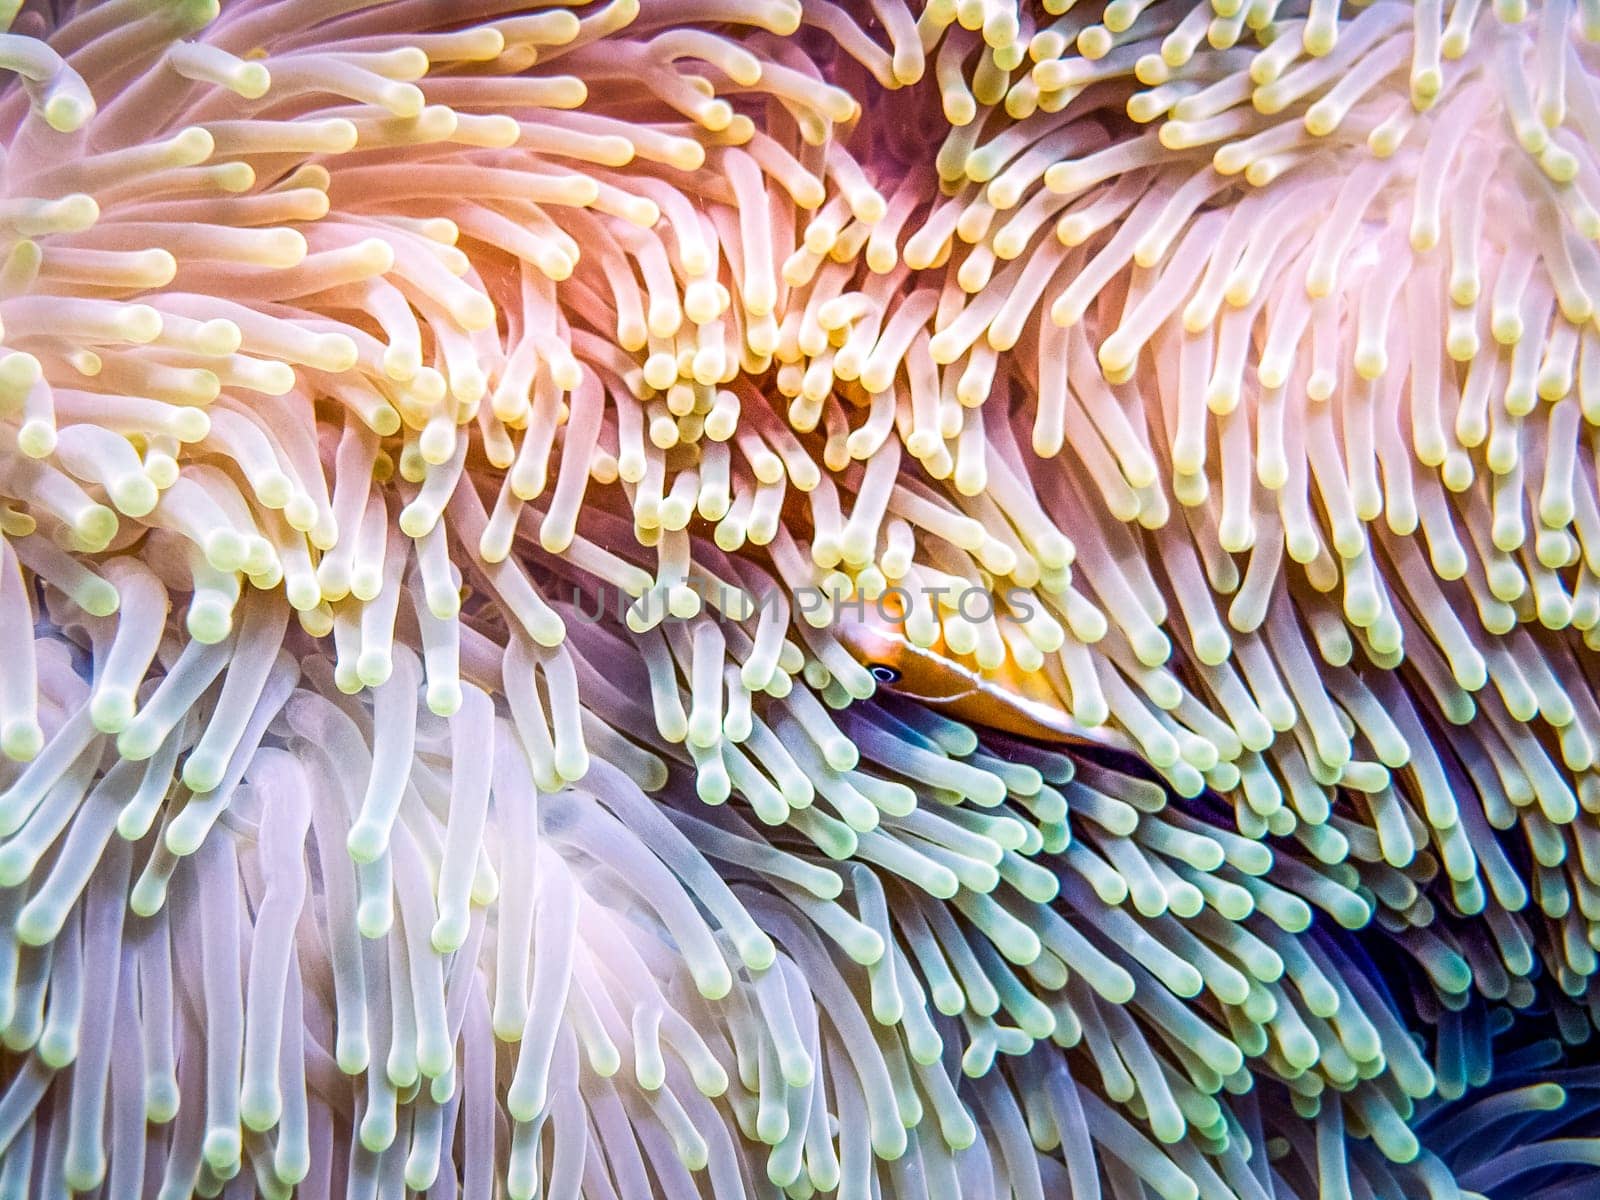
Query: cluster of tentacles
[{"x": 453, "y": 455}]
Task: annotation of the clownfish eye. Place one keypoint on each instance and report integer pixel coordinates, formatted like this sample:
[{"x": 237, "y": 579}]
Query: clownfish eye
[{"x": 884, "y": 673}]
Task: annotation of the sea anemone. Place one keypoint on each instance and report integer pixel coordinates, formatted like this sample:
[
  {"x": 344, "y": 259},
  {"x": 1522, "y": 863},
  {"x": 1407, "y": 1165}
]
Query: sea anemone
[{"x": 693, "y": 597}]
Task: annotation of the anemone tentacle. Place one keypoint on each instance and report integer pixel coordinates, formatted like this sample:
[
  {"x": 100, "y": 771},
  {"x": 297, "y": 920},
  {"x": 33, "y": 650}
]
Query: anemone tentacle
[{"x": 459, "y": 465}]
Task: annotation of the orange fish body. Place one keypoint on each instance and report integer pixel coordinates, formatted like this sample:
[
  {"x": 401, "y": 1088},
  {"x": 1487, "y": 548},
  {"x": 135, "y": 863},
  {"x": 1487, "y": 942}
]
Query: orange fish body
[{"x": 1024, "y": 703}]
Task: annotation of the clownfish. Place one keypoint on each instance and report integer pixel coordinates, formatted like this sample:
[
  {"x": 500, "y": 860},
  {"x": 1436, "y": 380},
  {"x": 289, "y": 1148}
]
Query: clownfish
[{"x": 1024, "y": 703}]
